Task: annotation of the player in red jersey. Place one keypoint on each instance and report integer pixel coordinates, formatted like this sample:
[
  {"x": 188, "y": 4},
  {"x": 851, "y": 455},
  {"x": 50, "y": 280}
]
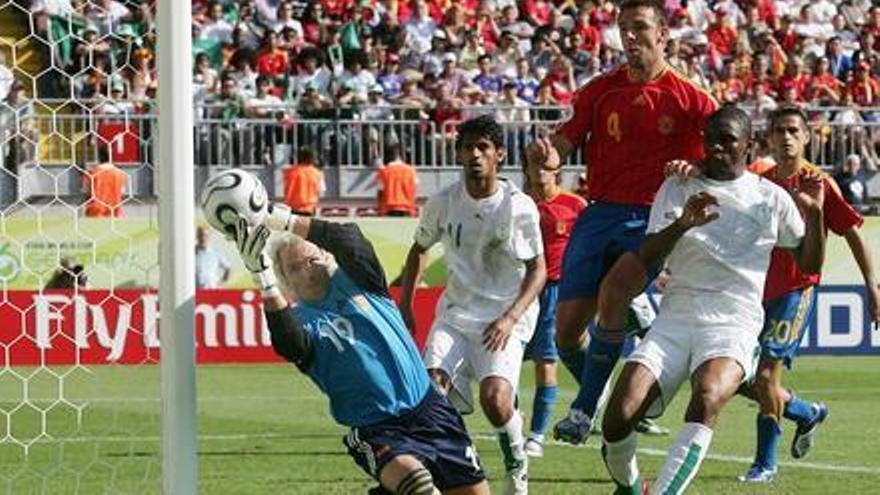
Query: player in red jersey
[
  {"x": 629, "y": 123},
  {"x": 789, "y": 300},
  {"x": 558, "y": 210}
]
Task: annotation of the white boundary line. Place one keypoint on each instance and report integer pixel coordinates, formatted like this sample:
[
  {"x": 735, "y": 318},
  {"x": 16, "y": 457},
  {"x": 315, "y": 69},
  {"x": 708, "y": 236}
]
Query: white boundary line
[{"x": 487, "y": 437}]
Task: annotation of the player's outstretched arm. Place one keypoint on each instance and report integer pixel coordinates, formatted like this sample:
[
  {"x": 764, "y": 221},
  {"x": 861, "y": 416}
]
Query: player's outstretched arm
[
  {"x": 289, "y": 339},
  {"x": 865, "y": 260},
  {"x": 416, "y": 260},
  {"x": 697, "y": 211}
]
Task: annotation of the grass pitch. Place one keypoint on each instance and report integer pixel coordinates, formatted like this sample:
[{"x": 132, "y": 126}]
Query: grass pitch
[{"x": 266, "y": 429}]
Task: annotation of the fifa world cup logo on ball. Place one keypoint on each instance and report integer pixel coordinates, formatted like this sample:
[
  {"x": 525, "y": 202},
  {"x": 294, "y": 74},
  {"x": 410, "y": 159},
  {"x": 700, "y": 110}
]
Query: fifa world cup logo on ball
[{"x": 231, "y": 195}]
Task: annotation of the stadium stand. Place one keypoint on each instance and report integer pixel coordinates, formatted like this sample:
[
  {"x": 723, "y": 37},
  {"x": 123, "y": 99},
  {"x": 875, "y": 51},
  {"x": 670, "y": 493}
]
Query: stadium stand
[{"x": 352, "y": 77}]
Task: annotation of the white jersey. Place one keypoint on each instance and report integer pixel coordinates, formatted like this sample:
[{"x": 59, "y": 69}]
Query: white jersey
[
  {"x": 718, "y": 269},
  {"x": 485, "y": 244}
]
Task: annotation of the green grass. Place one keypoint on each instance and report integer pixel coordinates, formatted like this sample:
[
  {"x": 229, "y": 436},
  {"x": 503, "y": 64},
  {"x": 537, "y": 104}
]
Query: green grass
[{"x": 265, "y": 429}]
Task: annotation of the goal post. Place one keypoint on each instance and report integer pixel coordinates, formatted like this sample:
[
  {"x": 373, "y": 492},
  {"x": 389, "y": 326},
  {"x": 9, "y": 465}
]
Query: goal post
[{"x": 176, "y": 257}]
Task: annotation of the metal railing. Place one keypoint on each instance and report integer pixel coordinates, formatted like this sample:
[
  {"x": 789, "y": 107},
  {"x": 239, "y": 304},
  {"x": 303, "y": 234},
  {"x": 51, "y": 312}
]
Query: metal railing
[{"x": 73, "y": 138}]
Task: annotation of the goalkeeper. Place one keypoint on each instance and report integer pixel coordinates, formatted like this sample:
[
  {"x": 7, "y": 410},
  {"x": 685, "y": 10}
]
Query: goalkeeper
[{"x": 329, "y": 312}]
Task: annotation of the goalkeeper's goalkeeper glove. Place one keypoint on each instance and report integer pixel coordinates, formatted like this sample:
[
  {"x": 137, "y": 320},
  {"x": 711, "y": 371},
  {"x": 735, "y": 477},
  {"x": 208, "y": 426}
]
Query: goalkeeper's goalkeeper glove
[
  {"x": 251, "y": 242},
  {"x": 281, "y": 217}
]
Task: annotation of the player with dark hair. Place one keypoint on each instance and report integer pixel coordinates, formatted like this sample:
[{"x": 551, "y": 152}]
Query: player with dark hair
[
  {"x": 629, "y": 123},
  {"x": 491, "y": 237},
  {"x": 345, "y": 333},
  {"x": 716, "y": 233},
  {"x": 790, "y": 298}
]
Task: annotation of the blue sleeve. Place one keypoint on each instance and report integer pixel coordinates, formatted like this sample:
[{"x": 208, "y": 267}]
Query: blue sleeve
[{"x": 353, "y": 252}]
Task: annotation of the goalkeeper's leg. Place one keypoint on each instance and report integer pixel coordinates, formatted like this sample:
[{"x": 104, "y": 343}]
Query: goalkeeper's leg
[{"x": 406, "y": 475}]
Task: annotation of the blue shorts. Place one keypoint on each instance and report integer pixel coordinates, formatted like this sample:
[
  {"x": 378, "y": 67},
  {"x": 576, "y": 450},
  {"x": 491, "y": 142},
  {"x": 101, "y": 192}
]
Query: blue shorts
[
  {"x": 433, "y": 432},
  {"x": 785, "y": 322},
  {"x": 542, "y": 347},
  {"x": 602, "y": 233}
]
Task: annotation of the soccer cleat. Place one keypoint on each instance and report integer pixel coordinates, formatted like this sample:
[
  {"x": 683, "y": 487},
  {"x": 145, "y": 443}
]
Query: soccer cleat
[
  {"x": 648, "y": 427},
  {"x": 534, "y": 448},
  {"x": 758, "y": 474},
  {"x": 574, "y": 428},
  {"x": 806, "y": 434},
  {"x": 516, "y": 482}
]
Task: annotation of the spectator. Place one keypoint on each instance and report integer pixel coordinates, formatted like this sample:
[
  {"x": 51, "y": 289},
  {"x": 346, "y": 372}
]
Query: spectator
[
  {"x": 217, "y": 27},
  {"x": 473, "y": 50},
  {"x": 68, "y": 275},
  {"x": 303, "y": 183},
  {"x": 512, "y": 109},
  {"x": 357, "y": 77},
  {"x": 272, "y": 59},
  {"x": 397, "y": 184},
  {"x": 212, "y": 268},
  {"x": 864, "y": 87},
  {"x": 105, "y": 185},
  {"x": 722, "y": 35},
  {"x": 248, "y": 31},
  {"x": 487, "y": 80},
  {"x": 312, "y": 72},
  {"x": 391, "y": 79},
  {"x": 526, "y": 84},
  {"x": 284, "y": 19},
  {"x": 421, "y": 29},
  {"x": 852, "y": 183},
  {"x": 839, "y": 63}
]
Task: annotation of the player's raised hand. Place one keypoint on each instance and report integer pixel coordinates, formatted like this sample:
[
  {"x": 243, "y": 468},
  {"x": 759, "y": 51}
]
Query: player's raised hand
[
  {"x": 496, "y": 335},
  {"x": 698, "y": 210},
  {"x": 280, "y": 217},
  {"x": 681, "y": 168},
  {"x": 543, "y": 154},
  {"x": 810, "y": 192},
  {"x": 251, "y": 242}
]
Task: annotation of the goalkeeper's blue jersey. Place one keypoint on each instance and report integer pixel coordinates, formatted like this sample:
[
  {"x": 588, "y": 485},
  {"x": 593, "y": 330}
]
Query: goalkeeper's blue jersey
[{"x": 363, "y": 356}]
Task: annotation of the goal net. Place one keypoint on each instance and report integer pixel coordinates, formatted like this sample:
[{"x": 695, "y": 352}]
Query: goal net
[{"x": 79, "y": 381}]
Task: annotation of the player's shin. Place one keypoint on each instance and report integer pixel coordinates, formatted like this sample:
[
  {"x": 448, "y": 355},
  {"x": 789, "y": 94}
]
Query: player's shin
[
  {"x": 601, "y": 357},
  {"x": 620, "y": 460},
  {"x": 683, "y": 459},
  {"x": 769, "y": 433},
  {"x": 574, "y": 360},
  {"x": 800, "y": 410},
  {"x": 542, "y": 410},
  {"x": 512, "y": 443}
]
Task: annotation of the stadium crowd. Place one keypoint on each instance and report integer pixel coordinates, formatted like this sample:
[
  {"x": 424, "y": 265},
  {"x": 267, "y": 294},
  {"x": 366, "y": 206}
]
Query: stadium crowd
[
  {"x": 444, "y": 58},
  {"x": 440, "y": 62}
]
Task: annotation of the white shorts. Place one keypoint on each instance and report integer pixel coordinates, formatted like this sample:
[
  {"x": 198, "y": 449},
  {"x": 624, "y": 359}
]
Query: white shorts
[
  {"x": 672, "y": 351},
  {"x": 464, "y": 358}
]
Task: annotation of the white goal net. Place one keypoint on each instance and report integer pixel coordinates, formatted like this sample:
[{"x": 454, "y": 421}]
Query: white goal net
[{"x": 79, "y": 381}]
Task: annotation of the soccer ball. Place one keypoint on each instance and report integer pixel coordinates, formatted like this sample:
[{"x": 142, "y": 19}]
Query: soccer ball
[{"x": 231, "y": 195}]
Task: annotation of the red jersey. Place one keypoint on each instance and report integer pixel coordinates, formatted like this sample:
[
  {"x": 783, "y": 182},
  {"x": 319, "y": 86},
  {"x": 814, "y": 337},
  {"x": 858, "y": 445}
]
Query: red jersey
[
  {"x": 630, "y": 130},
  {"x": 783, "y": 275},
  {"x": 558, "y": 215}
]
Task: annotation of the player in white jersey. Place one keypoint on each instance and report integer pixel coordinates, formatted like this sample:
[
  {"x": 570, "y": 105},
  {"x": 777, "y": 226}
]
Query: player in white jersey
[
  {"x": 491, "y": 238},
  {"x": 715, "y": 234}
]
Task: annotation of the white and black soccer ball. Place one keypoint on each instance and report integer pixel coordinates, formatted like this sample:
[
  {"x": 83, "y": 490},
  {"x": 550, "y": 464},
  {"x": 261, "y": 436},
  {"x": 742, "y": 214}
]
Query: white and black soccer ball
[{"x": 231, "y": 195}]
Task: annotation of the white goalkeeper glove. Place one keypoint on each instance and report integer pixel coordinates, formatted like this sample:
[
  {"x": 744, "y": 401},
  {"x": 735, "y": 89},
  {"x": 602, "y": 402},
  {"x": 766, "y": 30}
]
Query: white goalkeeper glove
[
  {"x": 280, "y": 218},
  {"x": 251, "y": 242}
]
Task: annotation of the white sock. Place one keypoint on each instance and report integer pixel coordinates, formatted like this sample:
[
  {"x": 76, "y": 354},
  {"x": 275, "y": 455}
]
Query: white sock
[
  {"x": 512, "y": 443},
  {"x": 683, "y": 460},
  {"x": 620, "y": 459}
]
